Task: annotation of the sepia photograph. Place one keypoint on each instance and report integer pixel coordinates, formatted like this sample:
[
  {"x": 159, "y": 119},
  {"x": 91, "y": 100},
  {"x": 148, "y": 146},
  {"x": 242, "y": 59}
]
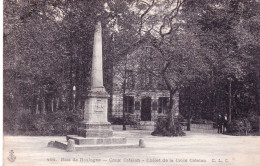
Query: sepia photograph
[{"x": 131, "y": 82}]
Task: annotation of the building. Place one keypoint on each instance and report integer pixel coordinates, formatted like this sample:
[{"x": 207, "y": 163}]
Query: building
[{"x": 146, "y": 96}]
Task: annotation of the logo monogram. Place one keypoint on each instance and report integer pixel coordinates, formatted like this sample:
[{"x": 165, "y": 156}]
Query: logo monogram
[{"x": 11, "y": 156}]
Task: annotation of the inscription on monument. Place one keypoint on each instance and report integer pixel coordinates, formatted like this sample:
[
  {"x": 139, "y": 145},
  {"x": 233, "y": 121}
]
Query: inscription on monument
[{"x": 99, "y": 106}]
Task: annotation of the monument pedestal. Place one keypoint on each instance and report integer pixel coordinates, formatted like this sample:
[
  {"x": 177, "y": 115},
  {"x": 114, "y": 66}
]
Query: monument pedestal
[
  {"x": 95, "y": 122},
  {"x": 95, "y": 130}
]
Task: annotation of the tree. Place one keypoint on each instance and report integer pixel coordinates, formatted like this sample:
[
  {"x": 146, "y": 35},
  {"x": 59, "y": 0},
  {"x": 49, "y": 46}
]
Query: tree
[
  {"x": 198, "y": 44},
  {"x": 217, "y": 26},
  {"x": 50, "y": 65},
  {"x": 171, "y": 63}
]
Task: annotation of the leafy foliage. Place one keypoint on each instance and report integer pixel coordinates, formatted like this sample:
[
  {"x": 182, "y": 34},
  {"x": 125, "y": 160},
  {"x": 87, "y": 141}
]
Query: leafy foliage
[
  {"x": 240, "y": 127},
  {"x": 162, "y": 128},
  {"x": 197, "y": 46},
  {"x": 58, "y": 123}
]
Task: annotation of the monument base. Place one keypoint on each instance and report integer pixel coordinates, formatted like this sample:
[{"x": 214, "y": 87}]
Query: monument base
[
  {"x": 63, "y": 145},
  {"x": 94, "y": 143},
  {"x": 94, "y": 136}
]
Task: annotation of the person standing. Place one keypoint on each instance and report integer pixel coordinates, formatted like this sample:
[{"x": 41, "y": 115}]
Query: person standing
[
  {"x": 225, "y": 123},
  {"x": 222, "y": 123},
  {"x": 219, "y": 125}
]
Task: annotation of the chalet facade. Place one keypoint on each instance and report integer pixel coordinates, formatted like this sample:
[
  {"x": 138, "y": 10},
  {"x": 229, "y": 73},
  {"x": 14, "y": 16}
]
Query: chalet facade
[{"x": 146, "y": 96}]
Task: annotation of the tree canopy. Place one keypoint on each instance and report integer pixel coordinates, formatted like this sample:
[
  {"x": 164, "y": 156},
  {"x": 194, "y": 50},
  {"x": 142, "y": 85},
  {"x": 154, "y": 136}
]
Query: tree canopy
[{"x": 202, "y": 43}]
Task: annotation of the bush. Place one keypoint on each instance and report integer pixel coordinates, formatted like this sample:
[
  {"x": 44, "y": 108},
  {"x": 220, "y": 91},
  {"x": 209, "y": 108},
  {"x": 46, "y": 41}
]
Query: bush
[
  {"x": 244, "y": 125},
  {"x": 9, "y": 125},
  {"x": 54, "y": 123},
  {"x": 239, "y": 127},
  {"x": 254, "y": 121},
  {"x": 128, "y": 120},
  {"x": 162, "y": 128},
  {"x": 117, "y": 121}
]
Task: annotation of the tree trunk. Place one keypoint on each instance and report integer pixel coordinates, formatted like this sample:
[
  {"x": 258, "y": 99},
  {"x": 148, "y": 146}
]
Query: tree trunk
[
  {"x": 172, "y": 92},
  {"x": 124, "y": 102},
  {"x": 124, "y": 105},
  {"x": 229, "y": 103},
  {"x": 43, "y": 111},
  {"x": 189, "y": 112},
  {"x": 37, "y": 108},
  {"x": 124, "y": 110},
  {"x": 34, "y": 105},
  {"x": 188, "y": 124},
  {"x": 170, "y": 113},
  {"x": 48, "y": 103},
  {"x": 52, "y": 105},
  {"x": 57, "y": 103},
  {"x": 257, "y": 84},
  {"x": 110, "y": 106}
]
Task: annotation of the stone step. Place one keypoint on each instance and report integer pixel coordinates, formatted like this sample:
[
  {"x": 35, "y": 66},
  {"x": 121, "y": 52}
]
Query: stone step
[{"x": 63, "y": 145}]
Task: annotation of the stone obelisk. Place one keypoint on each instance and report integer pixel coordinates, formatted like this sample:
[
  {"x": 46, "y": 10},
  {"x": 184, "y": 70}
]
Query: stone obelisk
[
  {"x": 97, "y": 62},
  {"x": 95, "y": 122}
]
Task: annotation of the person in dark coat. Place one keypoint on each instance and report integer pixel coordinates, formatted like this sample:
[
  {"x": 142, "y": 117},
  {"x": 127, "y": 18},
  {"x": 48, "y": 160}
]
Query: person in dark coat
[
  {"x": 219, "y": 124},
  {"x": 225, "y": 123}
]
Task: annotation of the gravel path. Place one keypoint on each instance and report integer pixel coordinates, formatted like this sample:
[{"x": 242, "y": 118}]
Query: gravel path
[{"x": 197, "y": 148}]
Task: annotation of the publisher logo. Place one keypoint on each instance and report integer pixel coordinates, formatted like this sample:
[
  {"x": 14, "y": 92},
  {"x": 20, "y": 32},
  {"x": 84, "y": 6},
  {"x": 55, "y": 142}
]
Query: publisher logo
[{"x": 11, "y": 156}]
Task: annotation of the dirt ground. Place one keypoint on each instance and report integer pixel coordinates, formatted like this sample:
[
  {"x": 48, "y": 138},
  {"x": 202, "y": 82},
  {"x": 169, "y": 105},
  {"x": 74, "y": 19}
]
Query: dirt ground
[{"x": 197, "y": 148}]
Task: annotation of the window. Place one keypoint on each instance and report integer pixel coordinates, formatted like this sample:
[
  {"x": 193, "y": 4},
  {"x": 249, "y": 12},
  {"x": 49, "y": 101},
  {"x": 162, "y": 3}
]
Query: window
[
  {"x": 163, "y": 105},
  {"x": 154, "y": 105},
  {"x": 129, "y": 104},
  {"x": 146, "y": 80},
  {"x": 130, "y": 79}
]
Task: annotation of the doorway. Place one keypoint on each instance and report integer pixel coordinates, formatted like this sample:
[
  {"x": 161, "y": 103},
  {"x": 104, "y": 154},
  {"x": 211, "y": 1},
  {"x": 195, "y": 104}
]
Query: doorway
[{"x": 146, "y": 109}]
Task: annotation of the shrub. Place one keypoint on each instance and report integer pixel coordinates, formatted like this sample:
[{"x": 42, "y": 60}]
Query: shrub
[
  {"x": 117, "y": 121},
  {"x": 162, "y": 128},
  {"x": 254, "y": 121},
  {"x": 53, "y": 123},
  {"x": 9, "y": 125},
  {"x": 239, "y": 126},
  {"x": 128, "y": 120}
]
